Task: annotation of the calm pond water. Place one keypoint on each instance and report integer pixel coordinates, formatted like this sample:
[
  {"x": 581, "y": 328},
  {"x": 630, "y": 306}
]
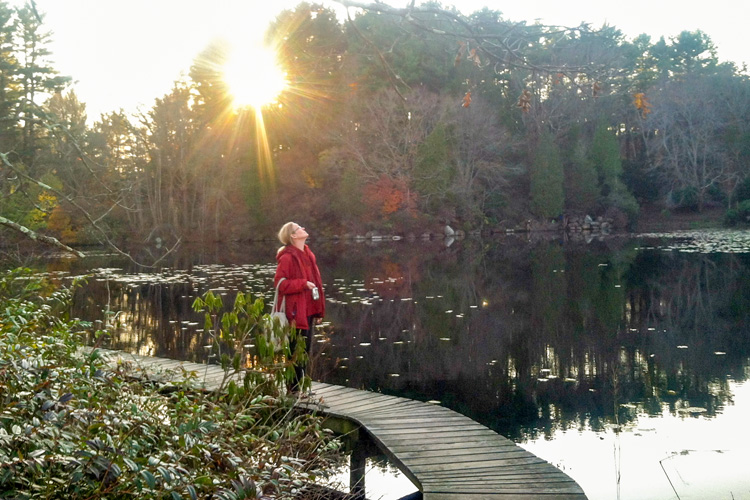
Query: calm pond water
[{"x": 623, "y": 361}]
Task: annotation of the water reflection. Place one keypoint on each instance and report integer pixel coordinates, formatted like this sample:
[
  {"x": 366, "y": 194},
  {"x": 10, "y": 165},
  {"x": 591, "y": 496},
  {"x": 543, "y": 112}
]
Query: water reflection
[{"x": 532, "y": 339}]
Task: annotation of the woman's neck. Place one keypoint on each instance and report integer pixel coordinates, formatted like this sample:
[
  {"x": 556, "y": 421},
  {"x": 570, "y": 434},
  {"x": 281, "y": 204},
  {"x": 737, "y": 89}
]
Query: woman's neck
[{"x": 300, "y": 244}]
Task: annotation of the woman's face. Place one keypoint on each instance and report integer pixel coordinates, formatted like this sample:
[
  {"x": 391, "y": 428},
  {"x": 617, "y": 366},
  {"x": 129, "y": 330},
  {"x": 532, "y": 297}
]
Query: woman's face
[{"x": 299, "y": 233}]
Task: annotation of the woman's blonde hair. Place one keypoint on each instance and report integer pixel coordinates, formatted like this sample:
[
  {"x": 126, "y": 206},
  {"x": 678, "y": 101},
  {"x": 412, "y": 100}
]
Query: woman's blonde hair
[{"x": 285, "y": 235}]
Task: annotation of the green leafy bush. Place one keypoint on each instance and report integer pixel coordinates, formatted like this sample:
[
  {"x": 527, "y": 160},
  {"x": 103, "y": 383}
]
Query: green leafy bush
[
  {"x": 686, "y": 198},
  {"x": 271, "y": 362},
  {"x": 74, "y": 426},
  {"x": 743, "y": 208},
  {"x": 731, "y": 217},
  {"x": 738, "y": 215}
]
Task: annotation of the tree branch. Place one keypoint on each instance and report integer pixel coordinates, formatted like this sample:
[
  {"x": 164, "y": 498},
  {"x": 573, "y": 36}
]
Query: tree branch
[
  {"x": 33, "y": 235},
  {"x": 86, "y": 214},
  {"x": 505, "y": 48}
]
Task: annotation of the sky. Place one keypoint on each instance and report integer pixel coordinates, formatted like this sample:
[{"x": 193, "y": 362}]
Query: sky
[{"x": 126, "y": 53}]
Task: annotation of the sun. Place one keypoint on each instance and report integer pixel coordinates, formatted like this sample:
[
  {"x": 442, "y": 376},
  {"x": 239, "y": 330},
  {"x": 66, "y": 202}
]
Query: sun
[{"x": 254, "y": 77}]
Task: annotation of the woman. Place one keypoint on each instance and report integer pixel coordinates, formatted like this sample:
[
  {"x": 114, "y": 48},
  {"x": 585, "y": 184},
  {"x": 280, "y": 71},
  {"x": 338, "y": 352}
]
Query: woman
[{"x": 302, "y": 288}]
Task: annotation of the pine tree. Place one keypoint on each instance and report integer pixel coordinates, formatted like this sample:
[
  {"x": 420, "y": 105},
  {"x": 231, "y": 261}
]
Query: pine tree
[
  {"x": 37, "y": 79},
  {"x": 547, "y": 196},
  {"x": 605, "y": 156},
  {"x": 9, "y": 88},
  {"x": 433, "y": 172}
]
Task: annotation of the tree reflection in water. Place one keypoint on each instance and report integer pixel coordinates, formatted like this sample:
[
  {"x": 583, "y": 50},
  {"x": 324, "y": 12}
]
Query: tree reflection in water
[{"x": 526, "y": 337}]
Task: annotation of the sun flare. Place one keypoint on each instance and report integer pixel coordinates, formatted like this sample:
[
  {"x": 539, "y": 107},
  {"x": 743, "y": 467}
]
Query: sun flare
[{"x": 254, "y": 77}]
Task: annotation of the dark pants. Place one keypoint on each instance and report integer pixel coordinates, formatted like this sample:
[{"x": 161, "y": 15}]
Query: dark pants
[{"x": 299, "y": 369}]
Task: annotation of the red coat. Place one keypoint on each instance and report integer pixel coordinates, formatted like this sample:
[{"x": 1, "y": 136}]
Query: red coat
[{"x": 299, "y": 267}]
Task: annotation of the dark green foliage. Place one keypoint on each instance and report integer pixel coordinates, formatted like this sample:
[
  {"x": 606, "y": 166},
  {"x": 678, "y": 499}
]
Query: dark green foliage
[
  {"x": 581, "y": 179},
  {"x": 74, "y": 426},
  {"x": 686, "y": 198},
  {"x": 731, "y": 217},
  {"x": 420, "y": 59},
  {"x": 739, "y": 215},
  {"x": 742, "y": 191},
  {"x": 605, "y": 157},
  {"x": 433, "y": 171},
  {"x": 36, "y": 77},
  {"x": 743, "y": 210},
  {"x": 233, "y": 330},
  {"x": 620, "y": 202},
  {"x": 547, "y": 197}
]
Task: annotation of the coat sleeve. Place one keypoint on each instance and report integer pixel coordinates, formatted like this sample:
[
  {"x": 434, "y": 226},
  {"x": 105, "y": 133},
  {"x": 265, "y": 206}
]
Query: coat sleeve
[{"x": 290, "y": 285}]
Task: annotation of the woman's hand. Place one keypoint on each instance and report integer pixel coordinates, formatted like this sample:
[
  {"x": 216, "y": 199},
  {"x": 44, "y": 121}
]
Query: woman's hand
[{"x": 310, "y": 285}]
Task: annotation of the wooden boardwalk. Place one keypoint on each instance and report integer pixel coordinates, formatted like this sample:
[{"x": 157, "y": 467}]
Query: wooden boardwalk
[{"x": 445, "y": 454}]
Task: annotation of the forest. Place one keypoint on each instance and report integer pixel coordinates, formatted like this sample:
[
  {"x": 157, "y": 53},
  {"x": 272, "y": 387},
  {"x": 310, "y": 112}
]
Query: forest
[{"x": 395, "y": 120}]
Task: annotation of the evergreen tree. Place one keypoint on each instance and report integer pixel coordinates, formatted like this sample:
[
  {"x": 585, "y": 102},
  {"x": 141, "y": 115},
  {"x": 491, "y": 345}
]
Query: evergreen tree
[
  {"x": 605, "y": 157},
  {"x": 36, "y": 76},
  {"x": 581, "y": 181},
  {"x": 433, "y": 172},
  {"x": 9, "y": 88},
  {"x": 547, "y": 197}
]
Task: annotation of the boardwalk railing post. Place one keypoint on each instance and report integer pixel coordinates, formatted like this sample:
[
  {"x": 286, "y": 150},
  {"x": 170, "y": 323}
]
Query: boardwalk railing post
[{"x": 357, "y": 464}]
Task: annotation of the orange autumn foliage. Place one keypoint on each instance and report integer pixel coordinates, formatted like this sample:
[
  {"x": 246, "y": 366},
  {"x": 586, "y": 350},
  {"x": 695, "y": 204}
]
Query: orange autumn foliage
[
  {"x": 524, "y": 101},
  {"x": 387, "y": 196},
  {"x": 640, "y": 101},
  {"x": 60, "y": 224}
]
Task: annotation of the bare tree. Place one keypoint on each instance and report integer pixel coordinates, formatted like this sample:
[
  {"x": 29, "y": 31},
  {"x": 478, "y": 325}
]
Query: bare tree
[
  {"x": 481, "y": 145},
  {"x": 383, "y": 137},
  {"x": 684, "y": 146}
]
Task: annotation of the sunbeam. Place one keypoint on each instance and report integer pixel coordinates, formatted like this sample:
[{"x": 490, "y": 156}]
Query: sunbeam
[{"x": 253, "y": 76}]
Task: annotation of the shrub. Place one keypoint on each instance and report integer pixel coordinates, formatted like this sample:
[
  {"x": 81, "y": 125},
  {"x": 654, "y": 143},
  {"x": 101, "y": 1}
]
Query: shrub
[
  {"x": 546, "y": 180},
  {"x": 73, "y": 426},
  {"x": 743, "y": 209},
  {"x": 742, "y": 191},
  {"x": 685, "y": 198},
  {"x": 621, "y": 201},
  {"x": 731, "y": 217}
]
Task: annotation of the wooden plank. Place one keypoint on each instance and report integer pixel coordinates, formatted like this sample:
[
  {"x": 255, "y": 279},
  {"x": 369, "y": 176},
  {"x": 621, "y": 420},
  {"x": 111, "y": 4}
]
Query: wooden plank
[
  {"x": 456, "y": 451},
  {"x": 336, "y": 391},
  {"x": 549, "y": 489},
  {"x": 352, "y": 400},
  {"x": 537, "y": 467},
  {"x": 369, "y": 409},
  {"x": 455, "y": 447},
  {"x": 417, "y": 405},
  {"x": 475, "y": 467},
  {"x": 422, "y": 409},
  {"x": 442, "y": 437},
  {"x": 363, "y": 403},
  {"x": 462, "y": 459},
  {"x": 425, "y": 431},
  {"x": 423, "y": 422},
  {"x": 526, "y": 489},
  {"x": 323, "y": 387},
  {"x": 352, "y": 396},
  {"x": 320, "y": 386},
  {"x": 504, "y": 479},
  {"x": 156, "y": 362},
  {"x": 504, "y": 496},
  {"x": 399, "y": 409}
]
